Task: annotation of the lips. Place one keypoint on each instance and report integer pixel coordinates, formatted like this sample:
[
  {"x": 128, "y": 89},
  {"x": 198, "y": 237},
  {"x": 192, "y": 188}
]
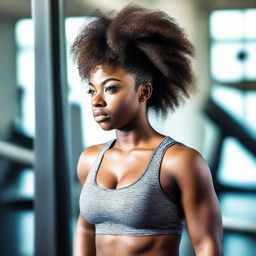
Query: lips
[{"x": 100, "y": 116}]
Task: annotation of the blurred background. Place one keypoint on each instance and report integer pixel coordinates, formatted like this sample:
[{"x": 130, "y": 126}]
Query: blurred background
[{"x": 45, "y": 117}]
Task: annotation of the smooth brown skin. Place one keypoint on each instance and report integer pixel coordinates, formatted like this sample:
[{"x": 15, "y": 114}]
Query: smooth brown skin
[{"x": 184, "y": 175}]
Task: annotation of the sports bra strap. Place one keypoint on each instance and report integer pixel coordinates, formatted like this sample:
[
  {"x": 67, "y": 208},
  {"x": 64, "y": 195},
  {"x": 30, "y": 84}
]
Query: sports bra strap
[{"x": 158, "y": 154}]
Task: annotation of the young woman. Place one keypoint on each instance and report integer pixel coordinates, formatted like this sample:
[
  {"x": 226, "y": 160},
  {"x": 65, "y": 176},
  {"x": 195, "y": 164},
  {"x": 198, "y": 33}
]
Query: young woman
[{"x": 138, "y": 189}]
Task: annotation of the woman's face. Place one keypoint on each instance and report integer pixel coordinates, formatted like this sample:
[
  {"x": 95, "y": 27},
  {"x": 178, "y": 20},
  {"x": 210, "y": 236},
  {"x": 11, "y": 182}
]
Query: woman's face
[{"x": 114, "y": 98}]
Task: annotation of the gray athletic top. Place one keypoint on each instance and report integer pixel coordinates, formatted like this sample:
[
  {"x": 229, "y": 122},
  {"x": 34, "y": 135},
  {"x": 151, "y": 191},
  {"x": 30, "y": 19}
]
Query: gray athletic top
[{"x": 138, "y": 209}]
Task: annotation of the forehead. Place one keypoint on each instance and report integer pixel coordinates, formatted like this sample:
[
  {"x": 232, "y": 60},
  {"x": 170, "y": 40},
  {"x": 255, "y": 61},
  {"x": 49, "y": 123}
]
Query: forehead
[{"x": 101, "y": 73}]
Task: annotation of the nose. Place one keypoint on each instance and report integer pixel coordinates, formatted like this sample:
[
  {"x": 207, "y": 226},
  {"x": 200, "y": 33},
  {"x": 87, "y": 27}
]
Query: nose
[{"x": 98, "y": 100}]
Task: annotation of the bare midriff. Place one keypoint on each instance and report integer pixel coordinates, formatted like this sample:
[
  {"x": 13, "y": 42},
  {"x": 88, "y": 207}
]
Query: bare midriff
[{"x": 159, "y": 245}]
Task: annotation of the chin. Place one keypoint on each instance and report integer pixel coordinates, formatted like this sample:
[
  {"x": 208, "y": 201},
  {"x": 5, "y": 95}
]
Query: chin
[
  {"x": 106, "y": 126},
  {"x": 117, "y": 125}
]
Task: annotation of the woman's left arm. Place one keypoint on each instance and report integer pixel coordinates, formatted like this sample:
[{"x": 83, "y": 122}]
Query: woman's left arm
[{"x": 200, "y": 204}]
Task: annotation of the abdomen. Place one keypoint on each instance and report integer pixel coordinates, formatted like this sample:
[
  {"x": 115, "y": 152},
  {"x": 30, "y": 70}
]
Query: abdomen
[{"x": 160, "y": 245}]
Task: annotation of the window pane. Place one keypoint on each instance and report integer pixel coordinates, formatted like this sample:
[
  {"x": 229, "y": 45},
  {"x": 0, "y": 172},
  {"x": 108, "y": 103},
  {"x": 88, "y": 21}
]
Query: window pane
[
  {"x": 250, "y": 113},
  {"x": 25, "y": 68},
  {"x": 237, "y": 165},
  {"x": 26, "y": 81},
  {"x": 227, "y": 98},
  {"x": 26, "y": 232},
  {"x": 226, "y": 24},
  {"x": 244, "y": 102},
  {"x": 250, "y": 64},
  {"x": 225, "y": 63},
  {"x": 25, "y": 33},
  {"x": 250, "y": 23}
]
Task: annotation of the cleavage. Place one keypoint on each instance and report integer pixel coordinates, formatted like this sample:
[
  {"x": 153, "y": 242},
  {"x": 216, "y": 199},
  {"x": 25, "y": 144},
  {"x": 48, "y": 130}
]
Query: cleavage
[{"x": 118, "y": 170}]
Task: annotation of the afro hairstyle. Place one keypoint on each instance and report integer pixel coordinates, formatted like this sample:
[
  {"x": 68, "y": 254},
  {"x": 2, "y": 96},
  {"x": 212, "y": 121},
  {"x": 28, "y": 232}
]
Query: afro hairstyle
[{"x": 147, "y": 43}]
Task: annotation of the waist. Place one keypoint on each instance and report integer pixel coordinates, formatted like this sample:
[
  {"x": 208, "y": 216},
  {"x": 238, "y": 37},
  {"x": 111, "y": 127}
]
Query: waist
[{"x": 158, "y": 245}]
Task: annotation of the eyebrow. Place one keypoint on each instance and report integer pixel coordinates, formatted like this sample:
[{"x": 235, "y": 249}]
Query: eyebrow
[{"x": 107, "y": 80}]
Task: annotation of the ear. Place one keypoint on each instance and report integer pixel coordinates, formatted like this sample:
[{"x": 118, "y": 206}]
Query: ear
[{"x": 145, "y": 92}]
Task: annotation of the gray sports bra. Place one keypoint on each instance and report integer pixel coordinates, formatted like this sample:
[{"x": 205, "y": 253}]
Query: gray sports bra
[{"x": 138, "y": 209}]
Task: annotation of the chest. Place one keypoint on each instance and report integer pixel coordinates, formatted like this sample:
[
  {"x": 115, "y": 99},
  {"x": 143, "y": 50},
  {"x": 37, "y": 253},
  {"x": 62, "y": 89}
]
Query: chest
[{"x": 119, "y": 169}]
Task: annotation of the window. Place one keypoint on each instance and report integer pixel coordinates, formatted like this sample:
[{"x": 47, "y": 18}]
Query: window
[
  {"x": 233, "y": 59},
  {"x": 25, "y": 74}
]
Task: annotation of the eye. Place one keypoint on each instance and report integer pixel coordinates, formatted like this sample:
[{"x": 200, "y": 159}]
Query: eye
[
  {"x": 111, "y": 89},
  {"x": 91, "y": 91}
]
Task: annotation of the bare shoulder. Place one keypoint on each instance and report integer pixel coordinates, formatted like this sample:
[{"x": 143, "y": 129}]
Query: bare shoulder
[
  {"x": 185, "y": 162},
  {"x": 86, "y": 160}
]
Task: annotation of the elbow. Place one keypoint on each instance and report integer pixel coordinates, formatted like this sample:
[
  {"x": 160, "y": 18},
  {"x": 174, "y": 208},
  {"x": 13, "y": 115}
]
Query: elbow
[{"x": 209, "y": 248}]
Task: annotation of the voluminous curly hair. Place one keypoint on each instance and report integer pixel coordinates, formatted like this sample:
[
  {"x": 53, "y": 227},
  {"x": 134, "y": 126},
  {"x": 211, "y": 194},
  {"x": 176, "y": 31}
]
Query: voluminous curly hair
[{"x": 147, "y": 43}]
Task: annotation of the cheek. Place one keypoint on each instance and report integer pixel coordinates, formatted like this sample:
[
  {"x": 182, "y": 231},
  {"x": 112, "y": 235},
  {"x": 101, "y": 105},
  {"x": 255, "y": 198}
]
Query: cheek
[
  {"x": 121, "y": 111},
  {"x": 127, "y": 105},
  {"x": 124, "y": 108}
]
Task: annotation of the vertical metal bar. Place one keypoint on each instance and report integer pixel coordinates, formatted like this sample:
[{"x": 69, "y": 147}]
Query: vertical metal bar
[
  {"x": 52, "y": 182},
  {"x": 62, "y": 131}
]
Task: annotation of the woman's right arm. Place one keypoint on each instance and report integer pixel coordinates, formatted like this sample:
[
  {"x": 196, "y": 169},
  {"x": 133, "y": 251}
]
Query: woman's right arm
[
  {"x": 84, "y": 242},
  {"x": 84, "y": 239}
]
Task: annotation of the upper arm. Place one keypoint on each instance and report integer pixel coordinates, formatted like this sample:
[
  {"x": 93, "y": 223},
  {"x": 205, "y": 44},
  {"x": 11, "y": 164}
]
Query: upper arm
[
  {"x": 84, "y": 165},
  {"x": 199, "y": 201},
  {"x": 84, "y": 242}
]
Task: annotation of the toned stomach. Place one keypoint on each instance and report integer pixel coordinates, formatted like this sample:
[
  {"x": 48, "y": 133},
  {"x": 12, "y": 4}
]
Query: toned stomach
[{"x": 160, "y": 245}]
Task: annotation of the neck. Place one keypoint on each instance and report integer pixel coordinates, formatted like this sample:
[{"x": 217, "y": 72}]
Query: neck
[{"x": 138, "y": 134}]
